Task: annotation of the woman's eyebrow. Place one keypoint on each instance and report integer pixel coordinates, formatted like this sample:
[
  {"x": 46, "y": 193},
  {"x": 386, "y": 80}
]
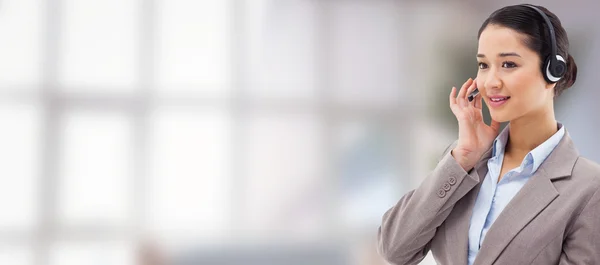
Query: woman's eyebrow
[
  {"x": 502, "y": 54},
  {"x": 506, "y": 54}
]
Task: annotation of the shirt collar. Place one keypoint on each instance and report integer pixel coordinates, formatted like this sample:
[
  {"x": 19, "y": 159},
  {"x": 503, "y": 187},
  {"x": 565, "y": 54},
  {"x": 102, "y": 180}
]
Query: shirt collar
[
  {"x": 500, "y": 142},
  {"x": 538, "y": 154},
  {"x": 541, "y": 152}
]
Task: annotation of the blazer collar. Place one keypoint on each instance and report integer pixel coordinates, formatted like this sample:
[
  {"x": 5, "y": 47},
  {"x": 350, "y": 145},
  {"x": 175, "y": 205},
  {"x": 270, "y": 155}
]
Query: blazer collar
[{"x": 533, "y": 197}]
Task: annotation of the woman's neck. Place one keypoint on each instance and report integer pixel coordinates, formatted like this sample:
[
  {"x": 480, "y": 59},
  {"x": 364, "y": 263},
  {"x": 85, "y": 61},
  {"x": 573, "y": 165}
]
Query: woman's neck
[{"x": 526, "y": 133}]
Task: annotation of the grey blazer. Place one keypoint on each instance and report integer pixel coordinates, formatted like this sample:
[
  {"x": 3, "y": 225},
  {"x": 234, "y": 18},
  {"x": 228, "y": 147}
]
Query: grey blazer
[{"x": 553, "y": 219}]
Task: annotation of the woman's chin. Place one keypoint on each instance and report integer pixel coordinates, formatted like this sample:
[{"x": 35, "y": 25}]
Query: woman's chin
[{"x": 499, "y": 117}]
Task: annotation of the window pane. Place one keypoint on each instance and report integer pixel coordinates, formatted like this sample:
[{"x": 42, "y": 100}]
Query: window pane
[
  {"x": 20, "y": 167},
  {"x": 20, "y": 42},
  {"x": 99, "y": 45},
  {"x": 15, "y": 255},
  {"x": 366, "y": 52},
  {"x": 193, "y": 45},
  {"x": 281, "y": 47},
  {"x": 95, "y": 168},
  {"x": 92, "y": 253},
  {"x": 367, "y": 164},
  {"x": 190, "y": 185},
  {"x": 285, "y": 188}
]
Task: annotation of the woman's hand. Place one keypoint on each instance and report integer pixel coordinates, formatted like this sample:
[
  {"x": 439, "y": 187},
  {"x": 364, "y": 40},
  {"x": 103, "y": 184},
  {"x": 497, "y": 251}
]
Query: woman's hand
[{"x": 474, "y": 136}]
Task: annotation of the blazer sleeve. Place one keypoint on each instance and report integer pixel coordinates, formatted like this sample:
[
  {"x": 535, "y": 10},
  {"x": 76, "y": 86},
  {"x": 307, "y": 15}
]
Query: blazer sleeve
[
  {"x": 582, "y": 242},
  {"x": 407, "y": 228}
]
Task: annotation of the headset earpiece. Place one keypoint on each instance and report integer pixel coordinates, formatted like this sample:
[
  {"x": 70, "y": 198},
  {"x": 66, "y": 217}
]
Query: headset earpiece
[{"x": 555, "y": 69}]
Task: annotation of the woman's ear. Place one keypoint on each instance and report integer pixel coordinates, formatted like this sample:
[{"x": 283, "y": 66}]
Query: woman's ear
[
  {"x": 550, "y": 86},
  {"x": 551, "y": 90}
]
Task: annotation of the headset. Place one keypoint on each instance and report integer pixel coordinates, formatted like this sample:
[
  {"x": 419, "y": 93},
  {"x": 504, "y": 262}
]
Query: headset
[{"x": 555, "y": 66}]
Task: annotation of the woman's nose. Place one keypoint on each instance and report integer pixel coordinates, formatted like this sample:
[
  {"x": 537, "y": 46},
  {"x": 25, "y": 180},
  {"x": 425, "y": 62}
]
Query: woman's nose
[{"x": 492, "y": 80}]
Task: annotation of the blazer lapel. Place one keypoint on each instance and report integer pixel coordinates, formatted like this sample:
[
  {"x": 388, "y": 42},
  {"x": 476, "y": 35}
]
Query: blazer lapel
[
  {"x": 536, "y": 194},
  {"x": 458, "y": 222}
]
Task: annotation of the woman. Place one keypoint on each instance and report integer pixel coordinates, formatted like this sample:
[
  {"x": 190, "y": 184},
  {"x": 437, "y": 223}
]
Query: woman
[{"x": 520, "y": 196}]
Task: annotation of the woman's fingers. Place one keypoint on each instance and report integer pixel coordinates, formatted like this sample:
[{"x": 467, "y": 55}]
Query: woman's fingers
[
  {"x": 452, "y": 99},
  {"x": 452, "y": 96},
  {"x": 464, "y": 87},
  {"x": 470, "y": 89},
  {"x": 457, "y": 102},
  {"x": 478, "y": 101},
  {"x": 462, "y": 95}
]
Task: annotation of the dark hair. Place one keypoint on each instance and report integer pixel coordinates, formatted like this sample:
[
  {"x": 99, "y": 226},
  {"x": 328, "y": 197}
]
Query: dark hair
[{"x": 529, "y": 22}]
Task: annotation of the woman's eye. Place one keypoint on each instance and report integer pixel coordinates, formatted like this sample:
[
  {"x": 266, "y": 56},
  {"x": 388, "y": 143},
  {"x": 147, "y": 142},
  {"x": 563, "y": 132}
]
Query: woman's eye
[
  {"x": 482, "y": 65},
  {"x": 509, "y": 64}
]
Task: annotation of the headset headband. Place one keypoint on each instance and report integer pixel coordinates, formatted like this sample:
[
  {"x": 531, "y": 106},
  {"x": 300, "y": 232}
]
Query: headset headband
[{"x": 551, "y": 29}]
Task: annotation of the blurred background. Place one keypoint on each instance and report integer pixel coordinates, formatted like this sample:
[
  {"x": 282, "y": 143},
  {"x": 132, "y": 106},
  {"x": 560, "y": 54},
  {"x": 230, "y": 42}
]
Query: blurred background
[{"x": 235, "y": 132}]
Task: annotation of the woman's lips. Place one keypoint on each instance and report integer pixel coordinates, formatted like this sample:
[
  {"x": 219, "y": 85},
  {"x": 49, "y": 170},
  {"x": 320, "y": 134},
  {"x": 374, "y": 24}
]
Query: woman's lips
[{"x": 499, "y": 102}]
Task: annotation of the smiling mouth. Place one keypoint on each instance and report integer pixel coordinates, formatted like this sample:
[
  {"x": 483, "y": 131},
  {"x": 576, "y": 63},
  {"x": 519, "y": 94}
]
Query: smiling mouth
[{"x": 499, "y": 99}]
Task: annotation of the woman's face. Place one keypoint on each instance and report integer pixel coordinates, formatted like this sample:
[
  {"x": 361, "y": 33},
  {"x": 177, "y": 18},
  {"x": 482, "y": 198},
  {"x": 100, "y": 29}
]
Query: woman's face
[{"x": 508, "y": 69}]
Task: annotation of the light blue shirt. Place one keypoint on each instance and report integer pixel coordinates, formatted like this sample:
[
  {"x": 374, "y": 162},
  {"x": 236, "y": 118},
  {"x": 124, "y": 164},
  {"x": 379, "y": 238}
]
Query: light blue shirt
[{"x": 493, "y": 195}]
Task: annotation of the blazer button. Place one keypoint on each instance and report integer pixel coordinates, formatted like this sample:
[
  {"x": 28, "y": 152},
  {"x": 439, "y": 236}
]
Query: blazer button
[
  {"x": 446, "y": 186},
  {"x": 441, "y": 193},
  {"x": 452, "y": 180}
]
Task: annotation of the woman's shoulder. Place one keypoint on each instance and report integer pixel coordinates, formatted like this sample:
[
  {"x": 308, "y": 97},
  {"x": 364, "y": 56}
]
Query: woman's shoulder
[
  {"x": 586, "y": 174},
  {"x": 587, "y": 167},
  {"x": 583, "y": 184}
]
